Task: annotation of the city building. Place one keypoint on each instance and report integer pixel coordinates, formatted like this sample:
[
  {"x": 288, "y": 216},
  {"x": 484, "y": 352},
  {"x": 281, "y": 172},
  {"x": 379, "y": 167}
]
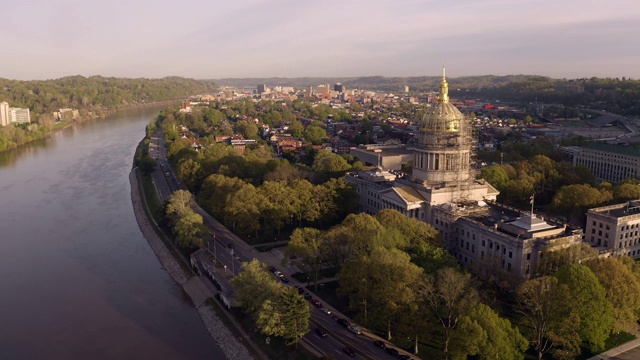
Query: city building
[
  {"x": 338, "y": 87},
  {"x": 262, "y": 88},
  {"x": 9, "y": 115},
  {"x": 19, "y": 116},
  {"x": 442, "y": 190},
  {"x": 386, "y": 156},
  {"x": 607, "y": 162},
  {"x": 614, "y": 229},
  {"x": 4, "y": 113}
]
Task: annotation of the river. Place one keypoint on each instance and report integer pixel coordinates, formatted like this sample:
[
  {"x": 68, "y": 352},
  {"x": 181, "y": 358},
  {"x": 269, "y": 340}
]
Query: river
[{"x": 77, "y": 278}]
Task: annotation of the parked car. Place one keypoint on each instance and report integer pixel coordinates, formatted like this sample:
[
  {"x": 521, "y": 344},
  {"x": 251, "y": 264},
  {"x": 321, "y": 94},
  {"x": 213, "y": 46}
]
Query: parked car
[
  {"x": 278, "y": 273},
  {"x": 392, "y": 351},
  {"x": 326, "y": 311},
  {"x": 230, "y": 245},
  {"x": 355, "y": 329},
  {"x": 320, "y": 332},
  {"x": 307, "y": 296},
  {"x": 300, "y": 290},
  {"x": 316, "y": 303},
  {"x": 404, "y": 357},
  {"x": 380, "y": 344},
  {"x": 349, "y": 351},
  {"x": 343, "y": 322},
  {"x": 284, "y": 279}
]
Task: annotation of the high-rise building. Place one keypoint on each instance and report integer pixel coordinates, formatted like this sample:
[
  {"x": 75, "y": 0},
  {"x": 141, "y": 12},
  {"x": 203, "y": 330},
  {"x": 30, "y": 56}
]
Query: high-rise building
[
  {"x": 338, "y": 87},
  {"x": 4, "y": 113},
  {"x": 262, "y": 88}
]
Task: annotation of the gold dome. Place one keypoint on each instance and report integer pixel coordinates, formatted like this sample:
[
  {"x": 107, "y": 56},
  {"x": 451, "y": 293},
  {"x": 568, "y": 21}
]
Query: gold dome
[{"x": 444, "y": 116}]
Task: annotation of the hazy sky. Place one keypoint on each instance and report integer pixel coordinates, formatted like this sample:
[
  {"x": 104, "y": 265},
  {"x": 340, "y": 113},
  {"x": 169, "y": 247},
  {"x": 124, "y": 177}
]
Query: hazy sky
[{"x": 293, "y": 38}]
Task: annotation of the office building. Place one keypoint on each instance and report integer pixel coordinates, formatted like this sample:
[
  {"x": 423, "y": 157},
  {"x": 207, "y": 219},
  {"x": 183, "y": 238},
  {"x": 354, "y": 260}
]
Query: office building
[
  {"x": 614, "y": 229},
  {"x": 612, "y": 163}
]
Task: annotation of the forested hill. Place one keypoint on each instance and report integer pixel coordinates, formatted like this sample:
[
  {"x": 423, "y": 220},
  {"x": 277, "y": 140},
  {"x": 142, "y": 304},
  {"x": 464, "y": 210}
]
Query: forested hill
[{"x": 96, "y": 92}]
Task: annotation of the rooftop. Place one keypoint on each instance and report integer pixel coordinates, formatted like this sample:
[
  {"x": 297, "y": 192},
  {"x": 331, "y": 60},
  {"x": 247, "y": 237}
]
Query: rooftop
[{"x": 624, "y": 150}]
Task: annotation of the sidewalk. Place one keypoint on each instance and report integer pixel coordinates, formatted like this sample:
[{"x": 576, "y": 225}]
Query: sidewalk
[{"x": 619, "y": 350}]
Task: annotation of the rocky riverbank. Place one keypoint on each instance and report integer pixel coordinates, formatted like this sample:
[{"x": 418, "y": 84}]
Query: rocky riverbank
[{"x": 231, "y": 347}]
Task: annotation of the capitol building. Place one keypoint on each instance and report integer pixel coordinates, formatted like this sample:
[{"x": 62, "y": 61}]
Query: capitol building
[{"x": 442, "y": 190}]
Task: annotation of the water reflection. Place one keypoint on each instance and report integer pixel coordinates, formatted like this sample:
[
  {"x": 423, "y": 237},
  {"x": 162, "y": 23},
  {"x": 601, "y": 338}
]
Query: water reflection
[{"x": 77, "y": 278}]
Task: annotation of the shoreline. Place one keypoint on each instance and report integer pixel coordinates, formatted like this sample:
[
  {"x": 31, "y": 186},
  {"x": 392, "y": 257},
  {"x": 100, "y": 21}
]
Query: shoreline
[
  {"x": 105, "y": 114},
  {"x": 221, "y": 335}
]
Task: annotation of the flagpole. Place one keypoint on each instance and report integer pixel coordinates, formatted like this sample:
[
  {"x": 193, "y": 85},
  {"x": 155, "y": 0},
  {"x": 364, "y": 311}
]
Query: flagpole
[{"x": 532, "y": 199}]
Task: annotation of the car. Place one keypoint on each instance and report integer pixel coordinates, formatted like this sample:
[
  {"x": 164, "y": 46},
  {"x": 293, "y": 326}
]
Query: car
[
  {"x": 349, "y": 351},
  {"x": 307, "y": 296},
  {"x": 316, "y": 303},
  {"x": 380, "y": 344},
  {"x": 343, "y": 322},
  {"x": 392, "y": 351},
  {"x": 355, "y": 329},
  {"x": 272, "y": 269},
  {"x": 404, "y": 357},
  {"x": 278, "y": 273},
  {"x": 326, "y": 311},
  {"x": 284, "y": 280},
  {"x": 230, "y": 246},
  {"x": 300, "y": 290},
  {"x": 320, "y": 332}
]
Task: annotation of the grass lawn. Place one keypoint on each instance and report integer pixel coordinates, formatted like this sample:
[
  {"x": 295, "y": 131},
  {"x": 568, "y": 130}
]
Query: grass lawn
[{"x": 154, "y": 204}]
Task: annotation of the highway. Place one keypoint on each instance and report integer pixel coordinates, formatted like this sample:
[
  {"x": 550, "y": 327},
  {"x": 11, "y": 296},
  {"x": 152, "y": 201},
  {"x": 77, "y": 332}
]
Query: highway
[{"x": 232, "y": 251}]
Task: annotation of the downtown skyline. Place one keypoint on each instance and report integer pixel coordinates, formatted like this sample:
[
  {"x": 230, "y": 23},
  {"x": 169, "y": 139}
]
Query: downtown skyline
[{"x": 254, "y": 38}]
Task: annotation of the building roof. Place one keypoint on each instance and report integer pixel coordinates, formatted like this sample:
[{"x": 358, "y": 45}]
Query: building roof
[
  {"x": 409, "y": 194},
  {"x": 624, "y": 150},
  {"x": 530, "y": 224}
]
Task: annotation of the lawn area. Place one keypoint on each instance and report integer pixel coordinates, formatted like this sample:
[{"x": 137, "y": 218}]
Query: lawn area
[{"x": 154, "y": 204}]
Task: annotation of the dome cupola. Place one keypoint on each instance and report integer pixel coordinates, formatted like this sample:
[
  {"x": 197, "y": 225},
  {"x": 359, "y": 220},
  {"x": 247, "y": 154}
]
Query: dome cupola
[{"x": 444, "y": 117}]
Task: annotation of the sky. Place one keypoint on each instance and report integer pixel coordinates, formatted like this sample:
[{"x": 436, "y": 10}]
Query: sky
[{"x": 212, "y": 39}]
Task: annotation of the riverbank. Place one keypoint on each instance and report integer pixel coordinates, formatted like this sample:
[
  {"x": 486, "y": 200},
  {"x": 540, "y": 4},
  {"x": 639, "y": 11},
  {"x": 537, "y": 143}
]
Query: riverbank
[
  {"x": 43, "y": 133},
  {"x": 231, "y": 347}
]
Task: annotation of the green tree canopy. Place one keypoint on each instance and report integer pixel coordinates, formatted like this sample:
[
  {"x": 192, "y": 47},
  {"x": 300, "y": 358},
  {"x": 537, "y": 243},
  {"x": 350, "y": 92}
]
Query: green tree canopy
[{"x": 590, "y": 303}]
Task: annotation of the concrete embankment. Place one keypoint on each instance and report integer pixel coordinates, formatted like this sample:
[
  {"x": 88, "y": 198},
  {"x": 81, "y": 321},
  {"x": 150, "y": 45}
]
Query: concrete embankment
[{"x": 231, "y": 347}]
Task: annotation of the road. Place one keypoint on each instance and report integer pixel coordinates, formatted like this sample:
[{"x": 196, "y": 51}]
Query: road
[{"x": 231, "y": 251}]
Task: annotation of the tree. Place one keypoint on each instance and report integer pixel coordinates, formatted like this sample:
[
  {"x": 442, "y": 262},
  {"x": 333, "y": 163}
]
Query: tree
[
  {"x": 328, "y": 162},
  {"x": 287, "y": 316},
  {"x": 189, "y": 230},
  {"x": 305, "y": 205},
  {"x": 626, "y": 191},
  {"x": 180, "y": 202},
  {"x": 254, "y": 285},
  {"x": 450, "y": 294},
  {"x": 248, "y": 129},
  {"x": 306, "y": 244},
  {"x": 623, "y": 291},
  {"x": 278, "y": 207},
  {"x": 590, "y": 302},
  {"x": 295, "y": 129},
  {"x": 554, "y": 259},
  {"x": 573, "y": 197},
  {"x": 315, "y": 134},
  {"x": 382, "y": 281},
  {"x": 244, "y": 206},
  {"x": 542, "y": 302},
  {"x": 496, "y": 176},
  {"x": 498, "y": 339}
]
